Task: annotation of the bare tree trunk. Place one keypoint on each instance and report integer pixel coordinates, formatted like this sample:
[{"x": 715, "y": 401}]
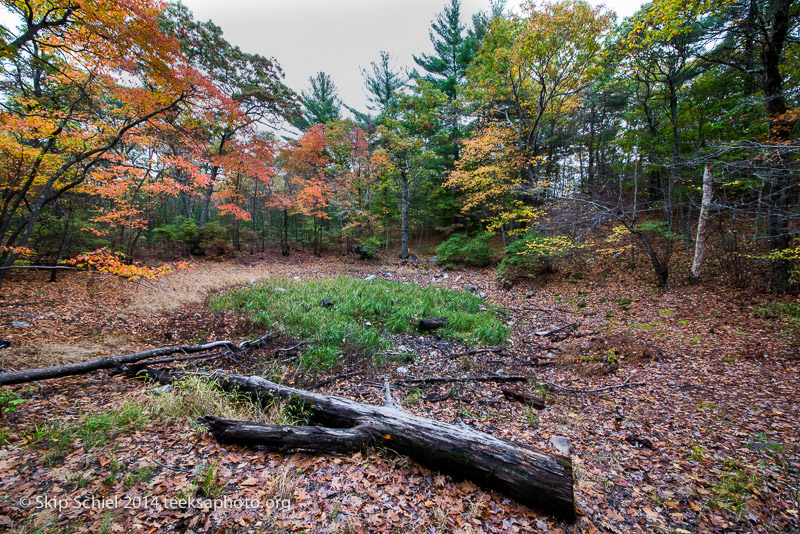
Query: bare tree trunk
[
  {"x": 702, "y": 223},
  {"x": 404, "y": 214}
]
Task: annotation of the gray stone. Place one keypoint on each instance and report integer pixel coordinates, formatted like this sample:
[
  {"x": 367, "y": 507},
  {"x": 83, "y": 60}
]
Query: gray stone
[
  {"x": 370, "y": 277},
  {"x": 402, "y": 370},
  {"x": 562, "y": 444},
  {"x": 530, "y": 294},
  {"x": 280, "y": 290},
  {"x": 20, "y": 324},
  {"x": 590, "y": 261}
]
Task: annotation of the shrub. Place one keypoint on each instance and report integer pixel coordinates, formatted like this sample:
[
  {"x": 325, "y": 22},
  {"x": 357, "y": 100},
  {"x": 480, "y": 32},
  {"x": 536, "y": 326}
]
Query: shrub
[
  {"x": 531, "y": 255},
  {"x": 183, "y": 231},
  {"x": 461, "y": 249}
]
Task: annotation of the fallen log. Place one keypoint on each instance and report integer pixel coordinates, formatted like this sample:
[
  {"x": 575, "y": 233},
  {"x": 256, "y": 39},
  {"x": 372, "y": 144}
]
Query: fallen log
[
  {"x": 115, "y": 362},
  {"x": 533, "y": 477},
  {"x": 525, "y": 398}
]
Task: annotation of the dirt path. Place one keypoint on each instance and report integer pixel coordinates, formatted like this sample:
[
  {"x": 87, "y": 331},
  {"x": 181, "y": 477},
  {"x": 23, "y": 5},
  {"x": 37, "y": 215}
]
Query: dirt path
[{"x": 708, "y": 442}]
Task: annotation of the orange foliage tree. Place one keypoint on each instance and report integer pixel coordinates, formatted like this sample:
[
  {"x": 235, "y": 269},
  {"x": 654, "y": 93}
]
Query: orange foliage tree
[{"x": 79, "y": 80}]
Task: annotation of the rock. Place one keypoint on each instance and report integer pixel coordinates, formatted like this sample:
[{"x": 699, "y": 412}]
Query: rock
[
  {"x": 484, "y": 308},
  {"x": 562, "y": 444},
  {"x": 326, "y": 303},
  {"x": 471, "y": 289},
  {"x": 20, "y": 324},
  {"x": 427, "y": 325},
  {"x": 367, "y": 324},
  {"x": 435, "y": 259},
  {"x": 297, "y": 278},
  {"x": 590, "y": 261},
  {"x": 458, "y": 278},
  {"x": 387, "y": 275},
  {"x": 482, "y": 295},
  {"x": 280, "y": 290},
  {"x": 370, "y": 277},
  {"x": 162, "y": 389},
  {"x": 617, "y": 255},
  {"x": 759, "y": 445},
  {"x": 402, "y": 370},
  {"x": 530, "y": 294},
  {"x": 445, "y": 276}
]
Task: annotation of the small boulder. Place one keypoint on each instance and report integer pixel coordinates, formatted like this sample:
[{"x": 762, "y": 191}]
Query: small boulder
[{"x": 427, "y": 325}]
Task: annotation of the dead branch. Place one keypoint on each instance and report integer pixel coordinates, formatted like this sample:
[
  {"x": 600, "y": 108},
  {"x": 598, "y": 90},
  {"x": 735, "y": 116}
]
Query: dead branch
[
  {"x": 112, "y": 362},
  {"x": 439, "y": 379},
  {"x": 525, "y": 398}
]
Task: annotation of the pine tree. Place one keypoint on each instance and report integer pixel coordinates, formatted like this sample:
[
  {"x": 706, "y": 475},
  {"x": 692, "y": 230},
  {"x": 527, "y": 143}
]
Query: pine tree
[{"x": 321, "y": 104}]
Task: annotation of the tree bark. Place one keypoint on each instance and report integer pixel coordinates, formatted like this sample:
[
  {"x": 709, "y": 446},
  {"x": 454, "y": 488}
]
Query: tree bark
[
  {"x": 532, "y": 477},
  {"x": 700, "y": 241}
]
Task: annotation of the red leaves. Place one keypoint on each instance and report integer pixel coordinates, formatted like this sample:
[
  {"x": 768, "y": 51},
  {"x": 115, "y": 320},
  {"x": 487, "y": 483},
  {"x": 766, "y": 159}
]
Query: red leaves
[{"x": 103, "y": 261}]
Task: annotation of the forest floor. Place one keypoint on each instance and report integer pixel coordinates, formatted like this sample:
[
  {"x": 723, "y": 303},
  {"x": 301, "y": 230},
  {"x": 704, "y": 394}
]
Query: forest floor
[{"x": 704, "y": 436}]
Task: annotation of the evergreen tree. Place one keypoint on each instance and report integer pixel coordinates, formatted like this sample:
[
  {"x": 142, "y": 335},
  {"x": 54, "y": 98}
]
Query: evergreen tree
[{"x": 321, "y": 104}]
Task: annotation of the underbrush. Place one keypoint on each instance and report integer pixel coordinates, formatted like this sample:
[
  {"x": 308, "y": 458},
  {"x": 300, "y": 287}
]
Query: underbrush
[
  {"x": 786, "y": 312},
  {"x": 461, "y": 249},
  {"x": 361, "y": 312}
]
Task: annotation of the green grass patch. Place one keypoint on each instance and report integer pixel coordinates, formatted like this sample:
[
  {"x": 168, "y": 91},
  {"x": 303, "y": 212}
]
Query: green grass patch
[
  {"x": 735, "y": 487},
  {"x": 362, "y": 312}
]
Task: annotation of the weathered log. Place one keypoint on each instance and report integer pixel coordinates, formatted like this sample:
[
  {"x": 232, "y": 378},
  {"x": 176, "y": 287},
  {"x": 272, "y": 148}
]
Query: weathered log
[
  {"x": 288, "y": 438},
  {"x": 533, "y": 477},
  {"x": 525, "y": 398}
]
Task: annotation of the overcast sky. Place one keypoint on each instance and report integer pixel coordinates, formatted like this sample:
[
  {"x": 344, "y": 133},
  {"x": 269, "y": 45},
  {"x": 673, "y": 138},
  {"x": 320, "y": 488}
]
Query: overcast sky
[{"x": 340, "y": 37}]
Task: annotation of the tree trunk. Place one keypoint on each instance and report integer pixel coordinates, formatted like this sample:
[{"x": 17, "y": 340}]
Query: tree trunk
[
  {"x": 285, "y": 234},
  {"x": 404, "y": 214},
  {"x": 532, "y": 477},
  {"x": 781, "y": 124},
  {"x": 700, "y": 241}
]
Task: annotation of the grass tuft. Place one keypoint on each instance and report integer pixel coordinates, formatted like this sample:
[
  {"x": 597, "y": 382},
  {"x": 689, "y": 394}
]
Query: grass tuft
[{"x": 362, "y": 313}]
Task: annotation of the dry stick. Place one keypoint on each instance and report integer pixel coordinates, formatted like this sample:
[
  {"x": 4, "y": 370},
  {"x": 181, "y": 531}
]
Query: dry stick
[
  {"x": 540, "y": 310},
  {"x": 334, "y": 379},
  {"x": 564, "y": 389},
  {"x": 478, "y": 351},
  {"x": 437, "y": 379},
  {"x": 294, "y": 347},
  {"x": 571, "y": 326},
  {"x": 213, "y": 355}
]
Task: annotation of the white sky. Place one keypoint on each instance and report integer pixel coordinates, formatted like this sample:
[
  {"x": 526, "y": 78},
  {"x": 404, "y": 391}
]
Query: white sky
[{"x": 340, "y": 37}]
